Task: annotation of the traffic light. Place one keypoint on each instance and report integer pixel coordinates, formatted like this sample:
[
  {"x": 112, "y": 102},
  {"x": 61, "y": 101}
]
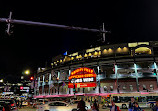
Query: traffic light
[
  {"x": 21, "y": 87},
  {"x": 74, "y": 89},
  {"x": 32, "y": 78}
]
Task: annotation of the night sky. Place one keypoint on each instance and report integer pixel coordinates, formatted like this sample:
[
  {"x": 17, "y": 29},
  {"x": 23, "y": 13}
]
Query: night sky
[{"x": 30, "y": 47}]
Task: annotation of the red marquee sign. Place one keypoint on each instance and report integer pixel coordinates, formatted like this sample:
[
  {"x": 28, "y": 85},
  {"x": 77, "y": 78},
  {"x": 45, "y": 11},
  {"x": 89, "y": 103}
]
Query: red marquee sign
[{"x": 82, "y": 77}]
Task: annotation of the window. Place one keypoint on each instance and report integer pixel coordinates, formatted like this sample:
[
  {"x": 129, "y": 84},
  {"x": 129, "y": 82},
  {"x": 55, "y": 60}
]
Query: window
[
  {"x": 88, "y": 88},
  {"x": 124, "y": 87},
  {"x": 151, "y": 87},
  {"x": 105, "y": 88},
  {"x": 144, "y": 87},
  {"x": 111, "y": 88},
  {"x": 131, "y": 87},
  {"x": 78, "y": 89}
]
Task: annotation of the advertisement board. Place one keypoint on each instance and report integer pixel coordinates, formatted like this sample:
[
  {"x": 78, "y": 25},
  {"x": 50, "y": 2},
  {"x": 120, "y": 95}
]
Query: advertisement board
[{"x": 82, "y": 77}]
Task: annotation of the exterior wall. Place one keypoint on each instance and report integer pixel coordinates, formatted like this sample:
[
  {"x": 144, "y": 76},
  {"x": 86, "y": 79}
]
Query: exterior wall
[{"x": 126, "y": 67}]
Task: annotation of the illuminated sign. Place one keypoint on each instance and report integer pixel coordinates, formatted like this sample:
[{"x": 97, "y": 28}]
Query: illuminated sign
[{"x": 82, "y": 77}]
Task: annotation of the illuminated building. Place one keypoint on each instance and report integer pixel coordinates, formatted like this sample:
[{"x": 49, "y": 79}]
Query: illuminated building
[{"x": 119, "y": 68}]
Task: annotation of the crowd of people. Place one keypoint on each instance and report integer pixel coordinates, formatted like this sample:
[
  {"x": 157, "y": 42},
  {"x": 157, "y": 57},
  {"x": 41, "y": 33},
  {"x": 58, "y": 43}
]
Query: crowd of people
[
  {"x": 19, "y": 102},
  {"x": 133, "y": 106}
]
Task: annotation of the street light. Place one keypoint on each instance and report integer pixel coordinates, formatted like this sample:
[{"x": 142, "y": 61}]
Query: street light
[
  {"x": 27, "y": 72},
  {"x": 1, "y": 80}
]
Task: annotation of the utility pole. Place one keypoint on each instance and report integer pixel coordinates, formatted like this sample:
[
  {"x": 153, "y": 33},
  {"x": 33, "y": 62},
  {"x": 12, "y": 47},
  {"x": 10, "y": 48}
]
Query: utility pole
[
  {"x": 10, "y": 21},
  {"x": 103, "y": 33},
  {"x": 9, "y": 24}
]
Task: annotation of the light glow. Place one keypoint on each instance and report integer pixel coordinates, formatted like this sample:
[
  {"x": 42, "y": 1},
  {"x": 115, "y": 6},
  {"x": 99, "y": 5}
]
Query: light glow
[{"x": 27, "y": 72}]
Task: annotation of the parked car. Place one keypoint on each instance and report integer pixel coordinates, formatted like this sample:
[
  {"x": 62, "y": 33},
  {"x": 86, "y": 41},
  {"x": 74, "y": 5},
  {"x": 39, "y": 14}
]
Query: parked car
[
  {"x": 58, "y": 106},
  {"x": 9, "y": 103},
  {"x": 3, "y": 106}
]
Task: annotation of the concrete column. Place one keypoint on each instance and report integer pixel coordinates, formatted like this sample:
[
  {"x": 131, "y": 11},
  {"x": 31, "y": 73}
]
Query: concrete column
[
  {"x": 58, "y": 80},
  {"x": 43, "y": 83},
  {"x": 68, "y": 80},
  {"x": 116, "y": 74},
  {"x": 49, "y": 82},
  {"x": 137, "y": 83},
  {"x": 98, "y": 68},
  {"x": 155, "y": 67},
  {"x": 38, "y": 84}
]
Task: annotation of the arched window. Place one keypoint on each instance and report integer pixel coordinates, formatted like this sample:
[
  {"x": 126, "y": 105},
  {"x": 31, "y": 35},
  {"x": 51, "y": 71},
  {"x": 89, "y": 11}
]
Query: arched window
[{"x": 143, "y": 50}]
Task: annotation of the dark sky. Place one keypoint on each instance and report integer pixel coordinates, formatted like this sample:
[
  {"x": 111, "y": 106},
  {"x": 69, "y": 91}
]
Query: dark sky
[{"x": 31, "y": 46}]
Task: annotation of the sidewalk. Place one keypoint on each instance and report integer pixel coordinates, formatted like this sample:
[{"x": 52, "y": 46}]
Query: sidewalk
[{"x": 27, "y": 108}]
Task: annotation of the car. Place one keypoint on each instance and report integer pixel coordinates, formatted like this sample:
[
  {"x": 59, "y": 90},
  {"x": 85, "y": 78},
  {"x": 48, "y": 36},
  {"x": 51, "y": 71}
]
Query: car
[
  {"x": 10, "y": 102},
  {"x": 34, "y": 105},
  {"x": 57, "y": 106},
  {"x": 3, "y": 106}
]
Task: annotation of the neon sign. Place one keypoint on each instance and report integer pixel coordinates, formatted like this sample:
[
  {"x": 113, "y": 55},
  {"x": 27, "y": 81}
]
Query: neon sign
[{"x": 82, "y": 77}]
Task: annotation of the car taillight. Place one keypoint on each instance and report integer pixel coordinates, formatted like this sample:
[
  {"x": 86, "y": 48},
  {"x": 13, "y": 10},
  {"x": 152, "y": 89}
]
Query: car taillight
[{"x": 12, "y": 104}]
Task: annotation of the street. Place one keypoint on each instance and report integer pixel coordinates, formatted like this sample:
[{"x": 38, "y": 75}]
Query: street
[
  {"x": 26, "y": 108},
  {"x": 34, "y": 109}
]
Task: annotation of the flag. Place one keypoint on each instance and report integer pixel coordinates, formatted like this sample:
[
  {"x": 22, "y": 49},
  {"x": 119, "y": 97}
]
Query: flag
[{"x": 65, "y": 53}]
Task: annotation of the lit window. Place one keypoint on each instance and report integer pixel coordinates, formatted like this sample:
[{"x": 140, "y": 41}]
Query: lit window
[
  {"x": 151, "y": 87},
  {"x": 95, "y": 53},
  {"x": 105, "y": 51},
  {"x": 90, "y": 54},
  {"x": 88, "y": 88},
  {"x": 111, "y": 88},
  {"x": 144, "y": 50},
  {"x": 78, "y": 89},
  {"x": 144, "y": 87},
  {"x": 105, "y": 88},
  {"x": 131, "y": 87},
  {"x": 85, "y": 55},
  {"x": 119, "y": 50},
  {"x": 124, "y": 87},
  {"x": 110, "y": 50}
]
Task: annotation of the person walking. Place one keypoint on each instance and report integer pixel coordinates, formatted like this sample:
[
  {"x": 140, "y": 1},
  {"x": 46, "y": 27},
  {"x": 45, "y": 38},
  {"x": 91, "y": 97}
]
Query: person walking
[
  {"x": 131, "y": 104},
  {"x": 81, "y": 105},
  {"x": 155, "y": 108},
  {"x": 136, "y": 107},
  {"x": 21, "y": 101},
  {"x": 17, "y": 102},
  {"x": 95, "y": 106},
  {"x": 114, "y": 107}
]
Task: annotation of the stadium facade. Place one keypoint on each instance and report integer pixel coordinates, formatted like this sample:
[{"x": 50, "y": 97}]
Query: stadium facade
[{"x": 110, "y": 69}]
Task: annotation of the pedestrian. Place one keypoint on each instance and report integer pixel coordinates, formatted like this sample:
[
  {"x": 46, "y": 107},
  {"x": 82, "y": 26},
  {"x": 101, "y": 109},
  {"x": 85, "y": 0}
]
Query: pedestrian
[
  {"x": 81, "y": 105},
  {"x": 136, "y": 107},
  {"x": 21, "y": 102},
  {"x": 114, "y": 107},
  {"x": 131, "y": 104},
  {"x": 95, "y": 106},
  {"x": 18, "y": 102},
  {"x": 155, "y": 108}
]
